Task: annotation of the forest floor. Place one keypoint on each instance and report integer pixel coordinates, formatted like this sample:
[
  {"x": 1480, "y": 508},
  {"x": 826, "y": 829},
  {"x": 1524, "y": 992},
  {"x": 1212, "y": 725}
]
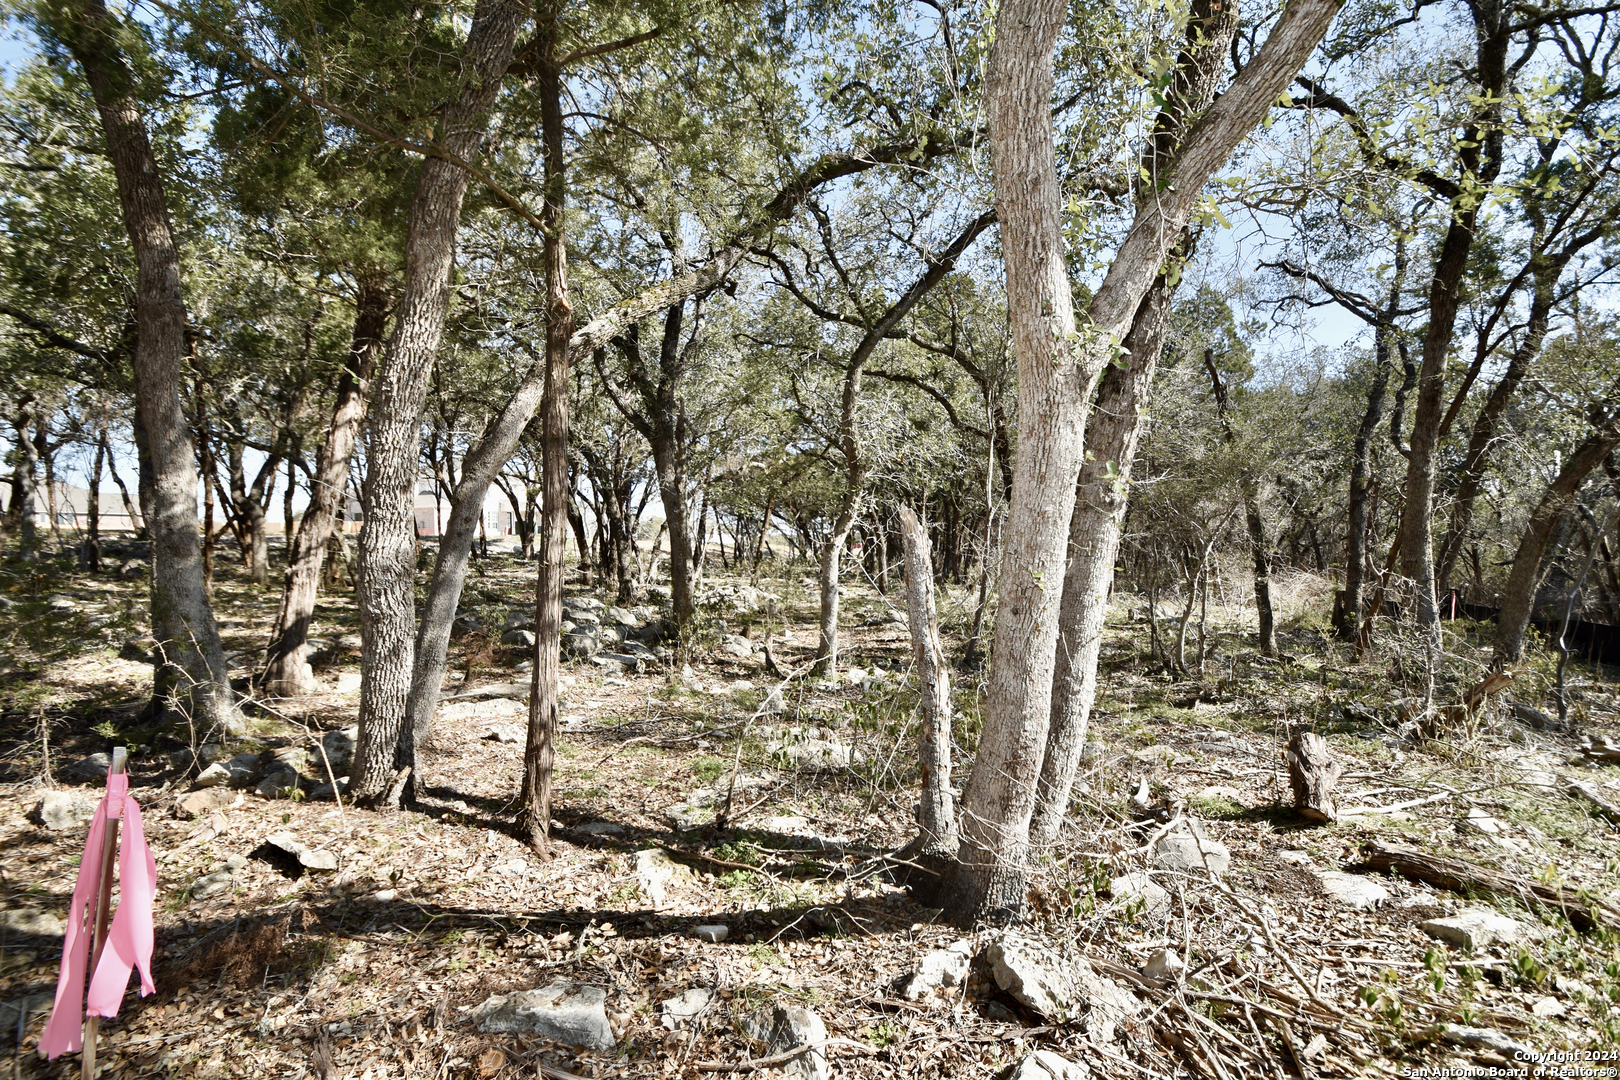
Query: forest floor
[{"x": 375, "y": 969}]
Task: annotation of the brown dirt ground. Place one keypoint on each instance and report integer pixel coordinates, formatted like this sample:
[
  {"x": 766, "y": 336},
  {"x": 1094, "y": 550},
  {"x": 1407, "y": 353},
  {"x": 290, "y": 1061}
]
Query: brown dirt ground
[{"x": 369, "y": 972}]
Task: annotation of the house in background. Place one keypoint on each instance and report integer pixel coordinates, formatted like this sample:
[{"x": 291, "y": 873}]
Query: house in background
[
  {"x": 432, "y": 511},
  {"x": 72, "y": 504}
]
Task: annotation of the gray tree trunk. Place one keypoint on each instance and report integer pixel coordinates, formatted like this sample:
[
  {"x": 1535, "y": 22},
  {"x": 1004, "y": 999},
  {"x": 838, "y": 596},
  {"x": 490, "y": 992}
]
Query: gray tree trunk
[
  {"x": 1479, "y": 161},
  {"x": 856, "y": 466},
  {"x": 192, "y": 670},
  {"x": 25, "y": 475},
  {"x": 388, "y": 535},
  {"x": 1057, "y": 371},
  {"x": 287, "y": 672},
  {"x": 936, "y": 810},
  {"x": 1519, "y": 597},
  {"x": 1111, "y": 437}
]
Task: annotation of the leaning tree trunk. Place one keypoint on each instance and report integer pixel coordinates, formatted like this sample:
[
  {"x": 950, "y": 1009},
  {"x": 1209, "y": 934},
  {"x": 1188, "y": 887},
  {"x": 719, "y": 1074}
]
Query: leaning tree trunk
[
  {"x": 1482, "y": 439},
  {"x": 192, "y": 668},
  {"x": 287, "y": 673},
  {"x": 936, "y": 841},
  {"x": 478, "y": 470},
  {"x": 1057, "y": 371},
  {"x": 388, "y": 535},
  {"x": 1519, "y": 597}
]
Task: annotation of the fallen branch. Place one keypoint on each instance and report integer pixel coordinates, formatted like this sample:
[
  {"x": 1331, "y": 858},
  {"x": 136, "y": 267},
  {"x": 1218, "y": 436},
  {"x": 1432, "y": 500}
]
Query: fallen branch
[
  {"x": 1465, "y": 877},
  {"x": 754, "y": 1064},
  {"x": 1407, "y": 805},
  {"x": 1582, "y": 790}
]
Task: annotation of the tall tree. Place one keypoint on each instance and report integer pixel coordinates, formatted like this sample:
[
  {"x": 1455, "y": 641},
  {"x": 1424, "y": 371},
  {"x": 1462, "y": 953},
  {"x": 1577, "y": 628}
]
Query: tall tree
[
  {"x": 192, "y": 666},
  {"x": 1058, "y": 367},
  {"x": 388, "y": 534}
]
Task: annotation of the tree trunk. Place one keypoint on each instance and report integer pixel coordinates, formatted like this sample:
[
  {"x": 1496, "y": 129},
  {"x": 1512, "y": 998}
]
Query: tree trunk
[
  {"x": 192, "y": 666},
  {"x": 388, "y": 534},
  {"x": 832, "y": 552},
  {"x": 287, "y": 508},
  {"x": 1099, "y": 510},
  {"x": 1259, "y": 544},
  {"x": 137, "y": 521},
  {"x": 1479, "y": 162},
  {"x": 247, "y": 504},
  {"x": 25, "y": 476},
  {"x": 1057, "y": 371},
  {"x": 540, "y": 750},
  {"x": 1519, "y": 597},
  {"x": 1312, "y": 773},
  {"x": 1483, "y": 436},
  {"x": 287, "y": 674},
  {"x": 92, "y": 542},
  {"x": 205, "y": 460},
  {"x": 42, "y": 438},
  {"x": 1347, "y": 617},
  {"x": 936, "y": 841}
]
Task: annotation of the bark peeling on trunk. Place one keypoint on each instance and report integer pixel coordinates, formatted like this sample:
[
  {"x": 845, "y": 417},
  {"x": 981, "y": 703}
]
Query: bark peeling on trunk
[
  {"x": 936, "y": 840},
  {"x": 540, "y": 748}
]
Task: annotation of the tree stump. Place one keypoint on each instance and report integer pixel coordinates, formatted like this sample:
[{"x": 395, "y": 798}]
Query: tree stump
[{"x": 1313, "y": 773}]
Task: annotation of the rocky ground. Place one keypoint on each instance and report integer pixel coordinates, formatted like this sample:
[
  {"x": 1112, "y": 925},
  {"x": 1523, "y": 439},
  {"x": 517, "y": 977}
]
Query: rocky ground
[{"x": 1189, "y": 924}]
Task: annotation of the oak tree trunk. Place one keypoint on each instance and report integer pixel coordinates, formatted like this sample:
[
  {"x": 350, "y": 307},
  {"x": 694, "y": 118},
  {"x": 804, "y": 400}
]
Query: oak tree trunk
[
  {"x": 388, "y": 535},
  {"x": 1519, "y": 596},
  {"x": 191, "y": 672},
  {"x": 287, "y": 672},
  {"x": 1057, "y": 371}
]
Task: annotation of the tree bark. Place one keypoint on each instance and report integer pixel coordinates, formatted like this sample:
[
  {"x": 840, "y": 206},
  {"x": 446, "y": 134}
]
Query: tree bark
[
  {"x": 1312, "y": 773},
  {"x": 287, "y": 673},
  {"x": 92, "y": 541},
  {"x": 192, "y": 666},
  {"x": 1348, "y": 617},
  {"x": 936, "y": 841},
  {"x": 1099, "y": 510},
  {"x": 540, "y": 749},
  {"x": 388, "y": 535},
  {"x": 1479, "y": 162},
  {"x": 1519, "y": 596},
  {"x": 1057, "y": 371},
  {"x": 24, "y": 475}
]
